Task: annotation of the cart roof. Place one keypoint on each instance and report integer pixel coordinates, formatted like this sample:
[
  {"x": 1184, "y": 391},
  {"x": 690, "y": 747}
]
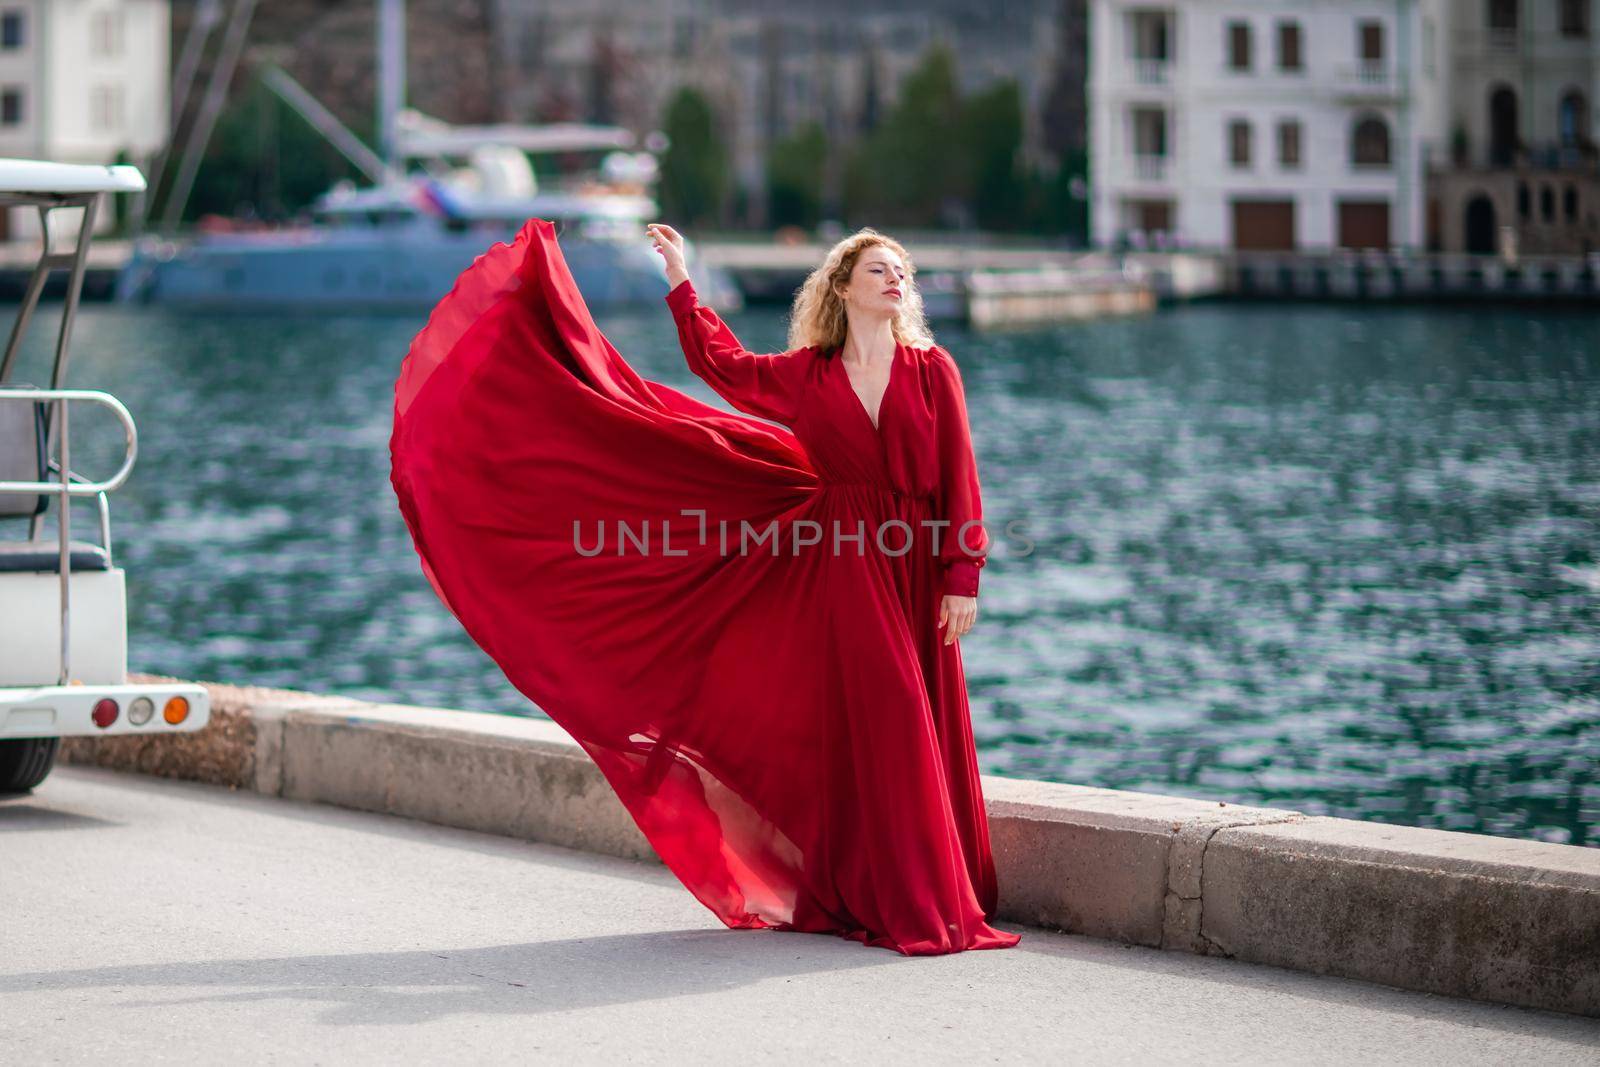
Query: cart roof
[{"x": 38, "y": 176}]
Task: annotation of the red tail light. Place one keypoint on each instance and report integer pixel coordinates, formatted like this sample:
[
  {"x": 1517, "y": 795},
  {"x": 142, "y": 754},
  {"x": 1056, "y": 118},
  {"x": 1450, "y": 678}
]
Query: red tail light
[{"x": 105, "y": 712}]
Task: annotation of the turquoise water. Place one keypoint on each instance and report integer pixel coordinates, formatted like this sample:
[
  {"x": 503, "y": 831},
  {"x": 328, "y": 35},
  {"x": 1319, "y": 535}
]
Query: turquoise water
[{"x": 1332, "y": 558}]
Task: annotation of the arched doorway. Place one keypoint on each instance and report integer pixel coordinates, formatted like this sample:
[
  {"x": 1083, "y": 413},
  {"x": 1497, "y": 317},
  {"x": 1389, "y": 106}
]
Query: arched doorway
[
  {"x": 1502, "y": 126},
  {"x": 1480, "y": 225}
]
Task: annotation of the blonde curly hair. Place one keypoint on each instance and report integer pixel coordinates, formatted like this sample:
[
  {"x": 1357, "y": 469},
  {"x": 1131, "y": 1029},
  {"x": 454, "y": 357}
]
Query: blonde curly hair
[{"x": 818, "y": 318}]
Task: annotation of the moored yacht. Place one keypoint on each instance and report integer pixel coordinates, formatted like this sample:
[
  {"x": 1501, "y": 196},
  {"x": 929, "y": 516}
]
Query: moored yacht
[{"x": 400, "y": 242}]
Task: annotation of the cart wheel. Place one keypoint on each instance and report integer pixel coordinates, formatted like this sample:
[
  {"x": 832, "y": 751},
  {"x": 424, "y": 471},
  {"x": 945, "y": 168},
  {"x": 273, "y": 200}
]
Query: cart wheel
[{"x": 25, "y": 761}]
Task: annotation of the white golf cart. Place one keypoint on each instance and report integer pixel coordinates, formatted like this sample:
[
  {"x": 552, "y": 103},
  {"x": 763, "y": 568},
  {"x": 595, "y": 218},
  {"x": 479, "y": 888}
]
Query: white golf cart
[{"x": 63, "y": 611}]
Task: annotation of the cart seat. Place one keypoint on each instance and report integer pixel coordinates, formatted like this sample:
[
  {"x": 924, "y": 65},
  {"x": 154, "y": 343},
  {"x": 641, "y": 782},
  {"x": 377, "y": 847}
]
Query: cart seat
[{"x": 24, "y": 556}]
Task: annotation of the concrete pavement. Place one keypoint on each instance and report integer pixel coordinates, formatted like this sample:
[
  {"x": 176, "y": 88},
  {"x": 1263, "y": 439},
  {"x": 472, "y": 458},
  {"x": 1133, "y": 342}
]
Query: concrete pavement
[
  {"x": 1462, "y": 915},
  {"x": 144, "y": 920}
]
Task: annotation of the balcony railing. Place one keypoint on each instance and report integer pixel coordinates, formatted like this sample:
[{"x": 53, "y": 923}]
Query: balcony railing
[
  {"x": 1368, "y": 76},
  {"x": 1480, "y": 39},
  {"x": 1152, "y": 71},
  {"x": 1501, "y": 40},
  {"x": 1583, "y": 157},
  {"x": 1371, "y": 72},
  {"x": 1150, "y": 167}
]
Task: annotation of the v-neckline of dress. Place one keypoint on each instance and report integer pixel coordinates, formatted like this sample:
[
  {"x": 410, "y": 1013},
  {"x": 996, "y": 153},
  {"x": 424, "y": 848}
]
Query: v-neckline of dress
[{"x": 883, "y": 400}]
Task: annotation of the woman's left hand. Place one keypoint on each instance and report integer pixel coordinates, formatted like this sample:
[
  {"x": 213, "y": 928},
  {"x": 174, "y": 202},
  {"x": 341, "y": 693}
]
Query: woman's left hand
[
  {"x": 956, "y": 615},
  {"x": 669, "y": 243}
]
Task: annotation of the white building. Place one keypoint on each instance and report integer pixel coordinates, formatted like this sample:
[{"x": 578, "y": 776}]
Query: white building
[
  {"x": 1266, "y": 124},
  {"x": 81, "y": 80}
]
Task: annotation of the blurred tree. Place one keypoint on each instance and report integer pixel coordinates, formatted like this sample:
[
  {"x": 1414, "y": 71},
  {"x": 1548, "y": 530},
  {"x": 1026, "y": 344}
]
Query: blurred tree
[
  {"x": 1067, "y": 209},
  {"x": 794, "y": 177},
  {"x": 933, "y": 159},
  {"x": 265, "y": 160},
  {"x": 120, "y": 205},
  {"x": 1056, "y": 198},
  {"x": 904, "y": 170},
  {"x": 991, "y": 147},
  {"x": 694, "y": 168}
]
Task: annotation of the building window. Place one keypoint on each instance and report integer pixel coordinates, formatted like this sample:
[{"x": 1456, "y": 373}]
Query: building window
[
  {"x": 1149, "y": 132},
  {"x": 1524, "y": 201},
  {"x": 1569, "y": 203},
  {"x": 1151, "y": 42},
  {"x": 683, "y": 35},
  {"x": 1502, "y": 14},
  {"x": 1238, "y": 46},
  {"x": 1289, "y": 144},
  {"x": 11, "y": 106},
  {"x": 1150, "y": 216},
  {"x": 1572, "y": 118},
  {"x": 11, "y": 26},
  {"x": 1574, "y": 18},
  {"x": 1369, "y": 143},
  {"x": 1371, "y": 43},
  {"x": 1504, "y": 139},
  {"x": 1239, "y": 142},
  {"x": 106, "y": 33},
  {"x": 1289, "y": 46},
  {"x": 1547, "y": 204},
  {"x": 105, "y": 108}
]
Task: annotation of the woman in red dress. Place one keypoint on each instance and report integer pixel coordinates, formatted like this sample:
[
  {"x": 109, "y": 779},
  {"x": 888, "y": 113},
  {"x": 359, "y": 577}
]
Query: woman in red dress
[{"x": 749, "y": 622}]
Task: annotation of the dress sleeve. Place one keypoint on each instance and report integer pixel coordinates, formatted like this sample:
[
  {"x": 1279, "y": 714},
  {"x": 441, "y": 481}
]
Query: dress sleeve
[
  {"x": 767, "y": 386},
  {"x": 962, "y": 552}
]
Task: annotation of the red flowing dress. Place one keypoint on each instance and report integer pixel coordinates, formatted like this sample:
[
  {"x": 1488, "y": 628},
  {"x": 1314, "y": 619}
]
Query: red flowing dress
[{"x": 718, "y": 608}]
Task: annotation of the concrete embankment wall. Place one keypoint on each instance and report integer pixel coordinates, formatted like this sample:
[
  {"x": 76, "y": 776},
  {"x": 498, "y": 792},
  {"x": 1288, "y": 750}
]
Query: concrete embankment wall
[{"x": 1467, "y": 915}]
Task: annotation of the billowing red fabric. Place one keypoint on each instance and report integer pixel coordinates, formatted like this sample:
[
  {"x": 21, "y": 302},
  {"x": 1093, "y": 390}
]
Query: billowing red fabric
[{"x": 781, "y": 719}]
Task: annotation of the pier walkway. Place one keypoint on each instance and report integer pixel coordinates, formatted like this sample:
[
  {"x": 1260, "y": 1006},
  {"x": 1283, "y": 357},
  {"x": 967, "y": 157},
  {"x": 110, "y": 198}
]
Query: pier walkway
[{"x": 145, "y": 920}]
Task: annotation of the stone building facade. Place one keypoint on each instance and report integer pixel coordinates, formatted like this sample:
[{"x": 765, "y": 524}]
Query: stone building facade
[
  {"x": 1523, "y": 168},
  {"x": 765, "y": 66}
]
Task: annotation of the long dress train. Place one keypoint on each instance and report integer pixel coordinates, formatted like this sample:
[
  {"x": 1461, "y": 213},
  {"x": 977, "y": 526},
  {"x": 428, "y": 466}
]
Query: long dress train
[{"x": 716, "y": 607}]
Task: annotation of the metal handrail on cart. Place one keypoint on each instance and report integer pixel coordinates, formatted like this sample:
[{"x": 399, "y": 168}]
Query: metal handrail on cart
[
  {"x": 70, "y": 484},
  {"x": 81, "y": 191}
]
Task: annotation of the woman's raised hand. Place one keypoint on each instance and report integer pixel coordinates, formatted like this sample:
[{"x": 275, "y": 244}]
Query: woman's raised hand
[{"x": 669, "y": 243}]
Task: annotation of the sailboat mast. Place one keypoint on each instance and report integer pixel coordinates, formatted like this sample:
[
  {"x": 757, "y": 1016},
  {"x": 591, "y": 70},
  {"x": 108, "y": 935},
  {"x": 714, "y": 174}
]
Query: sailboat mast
[{"x": 391, "y": 77}]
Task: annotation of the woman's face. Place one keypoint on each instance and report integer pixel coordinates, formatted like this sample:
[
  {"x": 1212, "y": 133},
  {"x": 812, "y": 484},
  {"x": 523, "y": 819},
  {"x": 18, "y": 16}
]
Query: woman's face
[{"x": 877, "y": 283}]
